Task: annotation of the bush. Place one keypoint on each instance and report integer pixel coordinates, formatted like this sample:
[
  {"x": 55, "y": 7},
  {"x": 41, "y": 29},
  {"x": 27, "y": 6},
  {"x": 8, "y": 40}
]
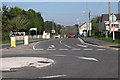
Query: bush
[{"x": 5, "y": 37}]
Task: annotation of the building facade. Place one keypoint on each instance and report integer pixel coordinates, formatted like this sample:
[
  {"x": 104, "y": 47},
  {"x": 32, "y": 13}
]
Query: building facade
[
  {"x": 104, "y": 23},
  {"x": 85, "y": 29}
]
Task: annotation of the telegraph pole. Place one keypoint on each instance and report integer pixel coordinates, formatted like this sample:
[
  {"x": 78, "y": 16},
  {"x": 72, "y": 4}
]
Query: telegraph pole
[
  {"x": 52, "y": 24},
  {"x": 109, "y": 17},
  {"x": 89, "y": 23}
]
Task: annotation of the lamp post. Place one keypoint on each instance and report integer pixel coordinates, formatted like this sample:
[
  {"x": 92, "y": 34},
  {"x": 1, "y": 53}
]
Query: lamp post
[{"x": 78, "y": 26}]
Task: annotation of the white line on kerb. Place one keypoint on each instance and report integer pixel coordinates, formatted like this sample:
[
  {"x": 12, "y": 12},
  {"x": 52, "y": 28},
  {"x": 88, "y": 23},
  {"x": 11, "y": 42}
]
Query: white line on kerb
[
  {"x": 88, "y": 49},
  {"x": 55, "y": 76},
  {"x": 86, "y": 58}
]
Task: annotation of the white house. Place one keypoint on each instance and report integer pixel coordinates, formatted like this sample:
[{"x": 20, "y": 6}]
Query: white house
[
  {"x": 46, "y": 35},
  {"x": 104, "y": 23},
  {"x": 85, "y": 28}
]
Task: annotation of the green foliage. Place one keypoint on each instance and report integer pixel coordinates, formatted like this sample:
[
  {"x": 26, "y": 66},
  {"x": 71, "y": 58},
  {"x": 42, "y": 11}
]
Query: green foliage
[
  {"x": 48, "y": 25},
  {"x": 36, "y": 20},
  {"x": 69, "y": 30},
  {"x": 107, "y": 39},
  {"x": 17, "y": 19},
  {"x": 95, "y": 25},
  {"x": 18, "y": 23}
]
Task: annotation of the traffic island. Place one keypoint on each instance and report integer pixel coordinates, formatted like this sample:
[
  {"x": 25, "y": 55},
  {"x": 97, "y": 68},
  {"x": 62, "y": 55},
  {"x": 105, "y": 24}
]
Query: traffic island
[{"x": 11, "y": 64}]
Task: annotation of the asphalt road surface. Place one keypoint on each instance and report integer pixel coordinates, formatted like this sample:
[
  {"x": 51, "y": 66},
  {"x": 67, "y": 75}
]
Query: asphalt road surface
[{"x": 72, "y": 60}]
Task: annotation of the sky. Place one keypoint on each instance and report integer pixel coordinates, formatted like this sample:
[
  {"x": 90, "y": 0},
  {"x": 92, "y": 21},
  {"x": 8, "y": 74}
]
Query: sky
[{"x": 67, "y": 13}]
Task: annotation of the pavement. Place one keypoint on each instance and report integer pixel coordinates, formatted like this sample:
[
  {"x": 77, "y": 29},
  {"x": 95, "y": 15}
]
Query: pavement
[
  {"x": 19, "y": 43},
  {"x": 101, "y": 43}
]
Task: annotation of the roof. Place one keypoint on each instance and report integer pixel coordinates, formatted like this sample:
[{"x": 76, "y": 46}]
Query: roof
[{"x": 105, "y": 17}]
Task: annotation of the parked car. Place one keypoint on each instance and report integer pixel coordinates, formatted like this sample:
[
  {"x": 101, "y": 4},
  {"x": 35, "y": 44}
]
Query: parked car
[
  {"x": 71, "y": 36},
  {"x": 57, "y": 36}
]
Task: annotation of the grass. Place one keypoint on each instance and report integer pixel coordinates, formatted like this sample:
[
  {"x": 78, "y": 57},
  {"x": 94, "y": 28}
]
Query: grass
[{"x": 109, "y": 39}]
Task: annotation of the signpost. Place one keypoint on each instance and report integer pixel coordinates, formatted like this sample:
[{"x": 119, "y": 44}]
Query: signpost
[{"x": 112, "y": 20}]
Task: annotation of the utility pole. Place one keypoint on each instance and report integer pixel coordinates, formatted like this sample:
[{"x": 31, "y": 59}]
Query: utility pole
[
  {"x": 52, "y": 24},
  {"x": 53, "y": 31},
  {"x": 108, "y": 18},
  {"x": 89, "y": 24}
]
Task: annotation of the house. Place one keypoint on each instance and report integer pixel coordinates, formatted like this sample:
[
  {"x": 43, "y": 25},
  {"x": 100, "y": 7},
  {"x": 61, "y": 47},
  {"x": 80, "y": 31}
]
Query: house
[
  {"x": 85, "y": 29},
  {"x": 46, "y": 35},
  {"x": 104, "y": 23}
]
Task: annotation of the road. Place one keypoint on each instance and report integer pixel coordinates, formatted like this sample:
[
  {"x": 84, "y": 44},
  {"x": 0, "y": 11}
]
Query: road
[{"x": 72, "y": 60}]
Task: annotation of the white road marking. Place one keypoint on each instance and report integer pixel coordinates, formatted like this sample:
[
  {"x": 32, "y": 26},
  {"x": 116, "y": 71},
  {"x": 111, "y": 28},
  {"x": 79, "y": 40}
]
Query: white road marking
[
  {"x": 52, "y": 45},
  {"x": 51, "y": 49},
  {"x": 81, "y": 41},
  {"x": 63, "y": 49},
  {"x": 81, "y": 45},
  {"x": 60, "y": 55},
  {"x": 36, "y": 44},
  {"x": 55, "y": 76},
  {"x": 75, "y": 49},
  {"x": 67, "y": 46},
  {"x": 86, "y": 58},
  {"x": 101, "y": 49},
  {"x": 60, "y": 41},
  {"x": 39, "y": 49},
  {"x": 88, "y": 49}
]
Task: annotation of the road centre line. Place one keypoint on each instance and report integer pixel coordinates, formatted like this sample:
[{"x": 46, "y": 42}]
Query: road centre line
[
  {"x": 87, "y": 58},
  {"x": 100, "y": 49},
  {"x": 65, "y": 44},
  {"x": 63, "y": 49},
  {"x": 60, "y": 55},
  {"x": 55, "y": 76},
  {"x": 51, "y": 49},
  {"x": 88, "y": 49},
  {"x": 75, "y": 49},
  {"x": 39, "y": 49}
]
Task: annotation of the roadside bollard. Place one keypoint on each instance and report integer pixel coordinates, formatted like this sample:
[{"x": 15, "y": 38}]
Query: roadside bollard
[
  {"x": 26, "y": 40},
  {"x": 13, "y": 42}
]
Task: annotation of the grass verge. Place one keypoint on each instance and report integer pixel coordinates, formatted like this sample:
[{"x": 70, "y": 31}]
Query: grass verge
[{"x": 109, "y": 39}]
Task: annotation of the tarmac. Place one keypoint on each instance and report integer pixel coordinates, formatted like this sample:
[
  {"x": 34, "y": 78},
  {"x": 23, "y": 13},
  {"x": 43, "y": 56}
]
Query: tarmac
[{"x": 9, "y": 64}]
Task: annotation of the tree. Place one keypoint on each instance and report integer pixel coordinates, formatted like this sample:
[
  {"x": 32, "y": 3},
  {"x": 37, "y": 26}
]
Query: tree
[
  {"x": 95, "y": 26},
  {"x": 19, "y": 23},
  {"x": 36, "y": 20}
]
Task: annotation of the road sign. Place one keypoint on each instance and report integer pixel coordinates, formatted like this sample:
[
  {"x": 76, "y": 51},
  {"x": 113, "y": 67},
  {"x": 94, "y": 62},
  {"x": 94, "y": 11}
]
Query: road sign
[
  {"x": 112, "y": 18},
  {"x": 53, "y": 31}
]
